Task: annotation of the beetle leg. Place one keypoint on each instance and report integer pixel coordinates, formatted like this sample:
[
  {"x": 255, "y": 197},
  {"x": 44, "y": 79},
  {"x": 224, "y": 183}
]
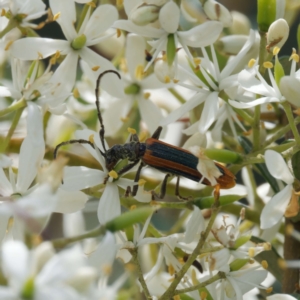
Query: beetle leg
[
  {"x": 177, "y": 192},
  {"x": 136, "y": 179},
  {"x": 163, "y": 189}
]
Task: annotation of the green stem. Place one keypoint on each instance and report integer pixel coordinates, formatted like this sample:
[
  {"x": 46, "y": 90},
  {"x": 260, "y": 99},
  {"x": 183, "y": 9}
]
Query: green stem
[
  {"x": 63, "y": 242},
  {"x": 218, "y": 276},
  {"x": 12, "y": 128},
  {"x": 177, "y": 95},
  {"x": 289, "y": 114},
  {"x": 281, "y": 132},
  {"x": 256, "y": 129},
  {"x": 244, "y": 115},
  {"x": 169, "y": 293},
  {"x": 134, "y": 253},
  {"x": 83, "y": 15},
  {"x": 263, "y": 55},
  {"x": 15, "y": 106}
]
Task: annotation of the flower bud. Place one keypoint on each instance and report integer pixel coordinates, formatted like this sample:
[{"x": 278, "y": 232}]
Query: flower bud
[
  {"x": 144, "y": 14},
  {"x": 231, "y": 44},
  {"x": 266, "y": 14},
  {"x": 240, "y": 23},
  {"x": 218, "y": 12},
  {"x": 277, "y": 34}
]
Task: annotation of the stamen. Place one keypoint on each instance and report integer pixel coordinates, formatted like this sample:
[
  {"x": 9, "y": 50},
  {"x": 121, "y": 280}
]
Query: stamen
[
  {"x": 91, "y": 138},
  {"x": 56, "y": 16},
  {"x": 147, "y": 95},
  {"x": 113, "y": 174},
  {"x": 95, "y": 68},
  {"x": 268, "y": 65},
  {"x": 264, "y": 264},
  {"x": 276, "y": 50},
  {"x": 131, "y": 130},
  {"x": 119, "y": 32},
  {"x": 251, "y": 62},
  {"x": 141, "y": 182}
]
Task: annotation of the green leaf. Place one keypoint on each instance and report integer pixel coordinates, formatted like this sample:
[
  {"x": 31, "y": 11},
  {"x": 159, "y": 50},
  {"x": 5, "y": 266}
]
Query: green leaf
[
  {"x": 207, "y": 202},
  {"x": 129, "y": 218}
]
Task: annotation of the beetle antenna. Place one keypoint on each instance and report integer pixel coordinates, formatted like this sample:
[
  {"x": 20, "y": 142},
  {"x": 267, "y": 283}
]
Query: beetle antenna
[{"x": 102, "y": 130}]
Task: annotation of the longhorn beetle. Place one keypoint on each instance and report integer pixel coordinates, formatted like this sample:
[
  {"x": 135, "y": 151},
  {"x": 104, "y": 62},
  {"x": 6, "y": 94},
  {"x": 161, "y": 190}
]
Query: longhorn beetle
[{"x": 154, "y": 153}]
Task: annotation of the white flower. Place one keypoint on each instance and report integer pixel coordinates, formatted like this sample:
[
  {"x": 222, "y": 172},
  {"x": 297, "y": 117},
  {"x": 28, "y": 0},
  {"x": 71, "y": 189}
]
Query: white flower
[
  {"x": 199, "y": 36},
  {"x": 26, "y": 11},
  {"x": 290, "y": 84},
  {"x": 53, "y": 278},
  {"x": 274, "y": 210},
  {"x": 92, "y": 31},
  {"x": 137, "y": 88},
  {"x": 78, "y": 178},
  {"x": 258, "y": 86},
  {"x": 237, "y": 283},
  {"x": 215, "y": 109},
  {"x": 42, "y": 90}
]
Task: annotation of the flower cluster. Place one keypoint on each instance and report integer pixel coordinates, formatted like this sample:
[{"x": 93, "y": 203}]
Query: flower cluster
[{"x": 76, "y": 78}]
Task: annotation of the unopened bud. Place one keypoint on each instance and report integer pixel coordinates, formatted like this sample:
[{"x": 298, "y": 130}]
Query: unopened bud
[
  {"x": 232, "y": 44},
  {"x": 277, "y": 34},
  {"x": 240, "y": 23},
  {"x": 144, "y": 14},
  {"x": 216, "y": 11}
]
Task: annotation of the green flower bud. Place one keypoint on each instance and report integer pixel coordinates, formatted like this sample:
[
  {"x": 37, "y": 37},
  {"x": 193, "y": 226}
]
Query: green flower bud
[{"x": 266, "y": 14}]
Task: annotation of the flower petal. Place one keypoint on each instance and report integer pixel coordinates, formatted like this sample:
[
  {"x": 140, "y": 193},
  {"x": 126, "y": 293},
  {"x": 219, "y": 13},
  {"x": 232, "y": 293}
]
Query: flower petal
[
  {"x": 101, "y": 20},
  {"x": 38, "y": 48},
  {"x": 109, "y": 206},
  {"x": 169, "y": 16},
  {"x": 278, "y": 167},
  {"x": 110, "y": 82},
  {"x": 32, "y": 149},
  {"x": 194, "y": 226},
  {"x": 135, "y": 53},
  {"x": 253, "y": 103},
  {"x": 69, "y": 202},
  {"x": 146, "y": 31},
  {"x": 290, "y": 89},
  {"x": 78, "y": 178},
  {"x": 14, "y": 263},
  {"x": 186, "y": 107},
  {"x": 201, "y": 35},
  {"x": 275, "y": 208},
  {"x": 209, "y": 113}
]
